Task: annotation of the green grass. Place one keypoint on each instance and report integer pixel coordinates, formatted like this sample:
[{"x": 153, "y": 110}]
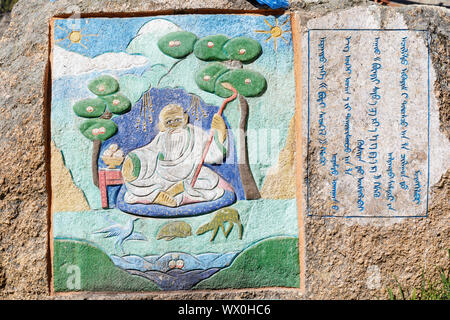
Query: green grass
[
  {"x": 6, "y": 5},
  {"x": 429, "y": 290}
]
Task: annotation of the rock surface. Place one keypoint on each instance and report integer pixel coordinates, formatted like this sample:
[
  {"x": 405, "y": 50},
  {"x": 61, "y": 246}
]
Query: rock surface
[
  {"x": 343, "y": 258},
  {"x": 365, "y": 255},
  {"x": 5, "y": 18}
]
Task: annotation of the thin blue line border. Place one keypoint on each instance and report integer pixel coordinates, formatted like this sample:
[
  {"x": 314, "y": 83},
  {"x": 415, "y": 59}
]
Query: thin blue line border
[{"x": 308, "y": 127}]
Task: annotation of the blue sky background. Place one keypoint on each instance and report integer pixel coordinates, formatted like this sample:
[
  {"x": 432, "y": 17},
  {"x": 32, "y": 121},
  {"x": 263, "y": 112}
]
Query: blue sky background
[{"x": 114, "y": 34}]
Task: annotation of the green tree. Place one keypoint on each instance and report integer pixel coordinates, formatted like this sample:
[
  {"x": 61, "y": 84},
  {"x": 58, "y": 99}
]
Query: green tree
[
  {"x": 99, "y": 111},
  {"x": 227, "y": 58}
]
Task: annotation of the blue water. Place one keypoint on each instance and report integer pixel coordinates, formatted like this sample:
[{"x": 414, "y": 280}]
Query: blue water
[{"x": 164, "y": 272}]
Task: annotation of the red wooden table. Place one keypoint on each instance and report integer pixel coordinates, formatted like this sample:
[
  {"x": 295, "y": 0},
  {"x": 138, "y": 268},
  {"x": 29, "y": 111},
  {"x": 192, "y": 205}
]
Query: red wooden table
[{"x": 108, "y": 177}]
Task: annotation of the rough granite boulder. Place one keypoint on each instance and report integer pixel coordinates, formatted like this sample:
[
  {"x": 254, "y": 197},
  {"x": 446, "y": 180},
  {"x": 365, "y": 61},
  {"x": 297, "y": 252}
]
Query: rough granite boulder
[{"x": 342, "y": 258}]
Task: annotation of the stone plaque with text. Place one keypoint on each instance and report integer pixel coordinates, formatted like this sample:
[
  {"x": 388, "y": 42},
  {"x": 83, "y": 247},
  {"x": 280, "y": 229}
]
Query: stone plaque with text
[{"x": 368, "y": 123}]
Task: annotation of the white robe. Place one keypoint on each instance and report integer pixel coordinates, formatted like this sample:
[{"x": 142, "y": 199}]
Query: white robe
[{"x": 173, "y": 157}]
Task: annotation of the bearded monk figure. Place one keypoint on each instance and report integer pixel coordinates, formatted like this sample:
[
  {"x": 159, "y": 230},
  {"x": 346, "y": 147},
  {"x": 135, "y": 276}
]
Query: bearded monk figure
[{"x": 161, "y": 172}]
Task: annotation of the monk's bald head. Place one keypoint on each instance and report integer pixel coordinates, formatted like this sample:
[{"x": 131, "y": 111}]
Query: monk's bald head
[{"x": 172, "y": 117}]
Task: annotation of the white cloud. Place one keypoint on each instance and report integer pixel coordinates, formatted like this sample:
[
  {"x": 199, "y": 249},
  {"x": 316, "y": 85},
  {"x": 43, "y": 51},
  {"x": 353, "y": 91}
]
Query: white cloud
[
  {"x": 70, "y": 63},
  {"x": 146, "y": 41},
  {"x": 158, "y": 26},
  {"x": 142, "y": 49}
]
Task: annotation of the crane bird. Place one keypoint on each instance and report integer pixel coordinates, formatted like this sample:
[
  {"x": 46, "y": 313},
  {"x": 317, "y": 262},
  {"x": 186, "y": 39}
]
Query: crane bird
[{"x": 122, "y": 232}]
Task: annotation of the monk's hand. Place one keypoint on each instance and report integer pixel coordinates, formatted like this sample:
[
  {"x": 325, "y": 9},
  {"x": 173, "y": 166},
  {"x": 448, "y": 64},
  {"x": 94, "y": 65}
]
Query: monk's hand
[{"x": 219, "y": 124}]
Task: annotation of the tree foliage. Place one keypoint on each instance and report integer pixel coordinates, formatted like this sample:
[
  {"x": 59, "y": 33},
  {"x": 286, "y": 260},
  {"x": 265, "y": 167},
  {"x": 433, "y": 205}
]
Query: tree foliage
[
  {"x": 177, "y": 44},
  {"x": 248, "y": 83},
  {"x": 216, "y": 49},
  {"x": 211, "y": 48},
  {"x": 109, "y": 101}
]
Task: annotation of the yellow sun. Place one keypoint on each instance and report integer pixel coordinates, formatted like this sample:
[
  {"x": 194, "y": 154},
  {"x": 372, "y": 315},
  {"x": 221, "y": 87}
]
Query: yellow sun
[
  {"x": 75, "y": 36},
  {"x": 275, "y": 31}
]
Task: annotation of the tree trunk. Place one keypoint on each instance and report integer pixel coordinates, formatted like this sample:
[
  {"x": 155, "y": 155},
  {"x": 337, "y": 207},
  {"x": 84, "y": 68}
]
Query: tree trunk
[
  {"x": 248, "y": 182},
  {"x": 96, "y": 151}
]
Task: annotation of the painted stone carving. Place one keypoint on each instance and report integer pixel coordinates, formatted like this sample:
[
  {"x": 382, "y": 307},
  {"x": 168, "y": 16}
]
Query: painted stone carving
[
  {"x": 161, "y": 172},
  {"x": 173, "y": 230},
  {"x": 211, "y": 78},
  {"x": 167, "y": 129},
  {"x": 107, "y": 103},
  {"x": 113, "y": 156},
  {"x": 223, "y": 215},
  {"x": 122, "y": 233}
]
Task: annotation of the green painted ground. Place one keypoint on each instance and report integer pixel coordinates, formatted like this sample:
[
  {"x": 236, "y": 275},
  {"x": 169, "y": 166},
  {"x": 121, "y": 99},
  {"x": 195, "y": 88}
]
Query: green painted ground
[
  {"x": 96, "y": 270},
  {"x": 270, "y": 263}
]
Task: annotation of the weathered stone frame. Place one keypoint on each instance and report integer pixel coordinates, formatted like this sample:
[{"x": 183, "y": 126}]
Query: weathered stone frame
[{"x": 338, "y": 253}]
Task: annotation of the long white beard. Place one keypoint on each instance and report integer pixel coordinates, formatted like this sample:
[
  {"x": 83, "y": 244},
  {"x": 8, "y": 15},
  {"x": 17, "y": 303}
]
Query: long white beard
[{"x": 174, "y": 144}]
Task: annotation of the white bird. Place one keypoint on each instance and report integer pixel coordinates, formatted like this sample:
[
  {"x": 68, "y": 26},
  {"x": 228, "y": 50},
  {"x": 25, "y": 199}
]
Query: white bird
[{"x": 122, "y": 232}]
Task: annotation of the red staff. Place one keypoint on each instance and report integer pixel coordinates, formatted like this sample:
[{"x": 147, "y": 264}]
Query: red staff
[{"x": 211, "y": 135}]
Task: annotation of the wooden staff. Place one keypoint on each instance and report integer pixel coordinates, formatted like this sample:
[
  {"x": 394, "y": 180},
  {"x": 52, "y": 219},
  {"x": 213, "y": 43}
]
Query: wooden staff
[{"x": 211, "y": 135}]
